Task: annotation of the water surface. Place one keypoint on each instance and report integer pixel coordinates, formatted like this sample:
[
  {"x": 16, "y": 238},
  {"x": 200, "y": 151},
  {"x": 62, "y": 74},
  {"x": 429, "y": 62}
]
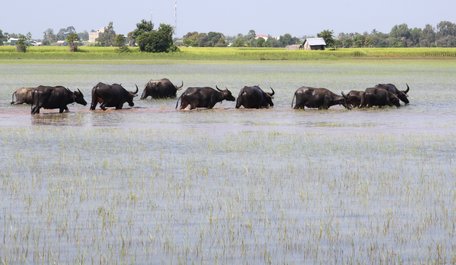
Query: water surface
[{"x": 150, "y": 184}]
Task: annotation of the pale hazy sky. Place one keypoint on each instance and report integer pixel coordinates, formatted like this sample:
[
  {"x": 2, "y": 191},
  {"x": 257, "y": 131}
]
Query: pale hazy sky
[{"x": 230, "y": 17}]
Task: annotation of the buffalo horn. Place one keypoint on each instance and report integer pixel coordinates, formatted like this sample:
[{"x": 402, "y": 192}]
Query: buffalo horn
[
  {"x": 343, "y": 95},
  {"x": 273, "y": 92},
  {"x": 218, "y": 88},
  {"x": 181, "y": 86},
  {"x": 79, "y": 91},
  {"x": 407, "y": 90},
  {"x": 137, "y": 89}
]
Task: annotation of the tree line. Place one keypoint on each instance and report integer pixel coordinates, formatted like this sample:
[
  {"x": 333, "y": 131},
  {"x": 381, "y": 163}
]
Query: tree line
[
  {"x": 161, "y": 40},
  {"x": 443, "y": 35},
  {"x": 144, "y": 36}
]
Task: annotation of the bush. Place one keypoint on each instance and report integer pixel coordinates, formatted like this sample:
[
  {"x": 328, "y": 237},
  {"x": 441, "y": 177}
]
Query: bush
[{"x": 123, "y": 49}]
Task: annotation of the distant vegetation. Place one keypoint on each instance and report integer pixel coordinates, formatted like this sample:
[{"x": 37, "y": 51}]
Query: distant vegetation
[
  {"x": 144, "y": 36},
  {"x": 160, "y": 40},
  {"x": 444, "y": 35}
]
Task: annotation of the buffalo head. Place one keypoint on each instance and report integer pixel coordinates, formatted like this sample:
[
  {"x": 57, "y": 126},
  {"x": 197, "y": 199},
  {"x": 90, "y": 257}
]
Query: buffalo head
[
  {"x": 149, "y": 87},
  {"x": 226, "y": 94},
  {"x": 269, "y": 97},
  {"x": 79, "y": 97},
  {"x": 342, "y": 100},
  {"x": 394, "y": 99},
  {"x": 353, "y": 98}
]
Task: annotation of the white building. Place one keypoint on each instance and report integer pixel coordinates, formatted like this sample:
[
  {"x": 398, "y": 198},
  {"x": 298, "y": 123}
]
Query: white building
[
  {"x": 93, "y": 35},
  {"x": 314, "y": 44}
]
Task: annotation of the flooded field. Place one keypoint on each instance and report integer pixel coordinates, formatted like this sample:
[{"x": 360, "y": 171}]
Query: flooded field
[{"x": 152, "y": 185}]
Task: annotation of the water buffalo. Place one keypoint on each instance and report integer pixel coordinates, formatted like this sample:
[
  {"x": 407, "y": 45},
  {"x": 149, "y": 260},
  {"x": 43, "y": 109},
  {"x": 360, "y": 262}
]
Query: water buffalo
[
  {"x": 320, "y": 98},
  {"x": 377, "y": 96},
  {"x": 354, "y": 98},
  {"x": 22, "y": 95},
  {"x": 253, "y": 97},
  {"x": 203, "y": 97},
  {"x": 162, "y": 88},
  {"x": 401, "y": 94},
  {"x": 55, "y": 97},
  {"x": 111, "y": 96}
]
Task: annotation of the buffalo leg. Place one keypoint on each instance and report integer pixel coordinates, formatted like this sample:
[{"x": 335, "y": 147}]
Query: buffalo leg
[
  {"x": 95, "y": 101},
  {"x": 35, "y": 109},
  {"x": 64, "y": 109}
]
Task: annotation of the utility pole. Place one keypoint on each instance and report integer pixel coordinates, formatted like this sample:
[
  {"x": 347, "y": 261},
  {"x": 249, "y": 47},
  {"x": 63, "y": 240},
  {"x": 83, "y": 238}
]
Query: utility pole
[{"x": 175, "y": 17}]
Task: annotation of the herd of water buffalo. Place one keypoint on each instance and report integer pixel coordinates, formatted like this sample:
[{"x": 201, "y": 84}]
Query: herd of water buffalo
[{"x": 58, "y": 97}]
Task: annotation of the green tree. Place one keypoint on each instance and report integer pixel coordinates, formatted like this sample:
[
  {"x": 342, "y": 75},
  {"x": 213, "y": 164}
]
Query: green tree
[
  {"x": 427, "y": 38},
  {"x": 400, "y": 35},
  {"x": 327, "y": 35},
  {"x": 239, "y": 41},
  {"x": 446, "y": 28},
  {"x": 287, "y": 39},
  {"x": 216, "y": 39},
  {"x": 260, "y": 42},
  {"x": 21, "y": 44},
  {"x": 272, "y": 42},
  {"x": 84, "y": 36},
  {"x": 250, "y": 38},
  {"x": 142, "y": 27},
  {"x": 345, "y": 40},
  {"x": 191, "y": 39},
  {"x": 378, "y": 39},
  {"x": 2, "y": 38},
  {"x": 160, "y": 40},
  {"x": 120, "y": 42},
  {"x": 72, "y": 40},
  {"x": 49, "y": 37},
  {"x": 64, "y": 32},
  {"x": 107, "y": 37}
]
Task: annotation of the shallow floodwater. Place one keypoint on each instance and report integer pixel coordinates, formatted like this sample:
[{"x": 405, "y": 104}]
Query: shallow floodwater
[{"x": 150, "y": 184}]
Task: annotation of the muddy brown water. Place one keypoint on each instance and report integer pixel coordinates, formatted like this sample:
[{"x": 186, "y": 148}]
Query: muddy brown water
[{"x": 150, "y": 184}]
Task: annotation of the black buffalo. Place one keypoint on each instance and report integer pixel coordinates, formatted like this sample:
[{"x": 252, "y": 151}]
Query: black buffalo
[
  {"x": 377, "y": 96},
  {"x": 253, "y": 97},
  {"x": 22, "y": 95},
  {"x": 111, "y": 96},
  {"x": 401, "y": 94},
  {"x": 203, "y": 97},
  {"x": 354, "y": 98},
  {"x": 162, "y": 88},
  {"x": 320, "y": 98},
  {"x": 55, "y": 97}
]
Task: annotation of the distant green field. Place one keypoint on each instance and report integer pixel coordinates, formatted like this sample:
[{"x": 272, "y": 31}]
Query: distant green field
[{"x": 188, "y": 53}]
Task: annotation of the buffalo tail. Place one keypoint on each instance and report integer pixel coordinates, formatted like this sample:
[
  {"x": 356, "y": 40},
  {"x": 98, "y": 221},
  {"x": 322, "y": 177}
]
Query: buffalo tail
[{"x": 292, "y": 101}]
